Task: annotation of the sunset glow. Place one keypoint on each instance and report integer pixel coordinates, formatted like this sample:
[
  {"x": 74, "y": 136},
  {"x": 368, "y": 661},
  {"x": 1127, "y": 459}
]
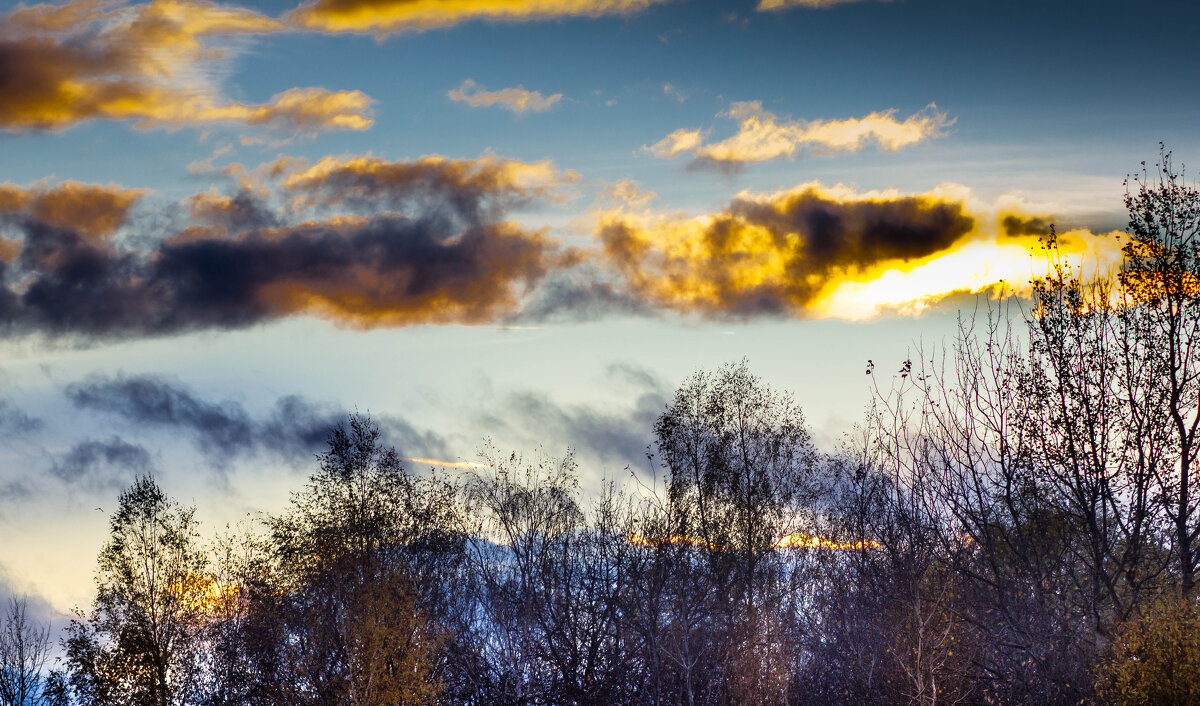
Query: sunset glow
[{"x": 512, "y": 229}]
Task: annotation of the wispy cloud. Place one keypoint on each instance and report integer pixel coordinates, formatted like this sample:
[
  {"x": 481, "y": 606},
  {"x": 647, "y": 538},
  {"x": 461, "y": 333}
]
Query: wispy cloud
[
  {"x": 102, "y": 464},
  {"x": 517, "y": 100},
  {"x": 762, "y": 136},
  {"x": 475, "y": 188},
  {"x": 773, "y": 5},
  {"x": 670, "y": 90},
  {"x": 387, "y": 16},
  {"x": 621, "y": 435},
  {"x": 222, "y": 430},
  {"x": 156, "y": 63}
]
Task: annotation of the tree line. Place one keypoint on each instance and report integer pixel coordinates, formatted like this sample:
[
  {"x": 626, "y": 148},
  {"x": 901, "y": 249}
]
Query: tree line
[{"x": 1016, "y": 521}]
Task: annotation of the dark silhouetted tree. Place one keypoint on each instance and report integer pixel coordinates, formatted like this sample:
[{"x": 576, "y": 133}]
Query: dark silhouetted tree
[
  {"x": 24, "y": 653},
  {"x": 138, "y": 645}
]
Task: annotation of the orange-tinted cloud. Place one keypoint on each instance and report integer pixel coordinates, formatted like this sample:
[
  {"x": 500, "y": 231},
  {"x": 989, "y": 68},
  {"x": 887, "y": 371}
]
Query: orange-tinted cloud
[
  {"x": 243, "y": 211},
  {"x": 9, "y": 249},
  {"x": 517, "y": 100},
  {"x": 818, "y": 251},
  {"x": 94, "y": 212},
  {"x": 761, "y": 136},
  {"x": 154, "y": 63},
  {"x": 447, "y": 255},
  {"x": 384, "y": 16},
  {"x": 474, "y": 187}
]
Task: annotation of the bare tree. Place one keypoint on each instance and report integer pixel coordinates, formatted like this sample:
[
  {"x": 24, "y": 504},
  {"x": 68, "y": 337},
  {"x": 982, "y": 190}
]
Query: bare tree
[
  {"x": 24, "y": 651},
  {"x": 1160, "y": 327},
  {"x": 554, "y": 586}
]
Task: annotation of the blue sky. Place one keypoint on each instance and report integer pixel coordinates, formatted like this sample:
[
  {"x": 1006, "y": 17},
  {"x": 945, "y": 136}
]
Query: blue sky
[{"x": 564, "y": 266}]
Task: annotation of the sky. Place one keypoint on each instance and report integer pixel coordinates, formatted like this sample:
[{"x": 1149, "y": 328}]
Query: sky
[{"x": 514, "y": 225}]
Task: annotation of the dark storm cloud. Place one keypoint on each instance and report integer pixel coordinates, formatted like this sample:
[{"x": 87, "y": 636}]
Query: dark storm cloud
[{"x": 294, "y": 429}]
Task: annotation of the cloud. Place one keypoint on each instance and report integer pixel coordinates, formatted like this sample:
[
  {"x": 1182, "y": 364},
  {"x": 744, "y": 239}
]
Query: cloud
[
  {"x": 242, "y": 211},
  {"x": 518, "y": 100},
  {"x": 475, "y": 189},
  {"x": 110, "y": 463},
  {"x": 816, "y": 251},
  {"x": 1017, "y": 225},
  {"x": 385, "y": 16},
  {"x": 94, "y": 212},
  {"x": 449, "y": 256},
  {"x": 15, "y": 421},
  {"x": 38, "y": 610},
  {"x": 762, "y": 137},
  {"x": 607, "y": 436},
  {"x": 619, "y": 436},
  {"x": 672, "y": 91},
  {"x": 224, "y": 431},
  {"x": 386, "y": 271},
  {"x": 773, "y": 5},
  {"x": 156, "y": 63},
  {"x": 368, "y": 243},
  {"x": 772, "y": 254}
]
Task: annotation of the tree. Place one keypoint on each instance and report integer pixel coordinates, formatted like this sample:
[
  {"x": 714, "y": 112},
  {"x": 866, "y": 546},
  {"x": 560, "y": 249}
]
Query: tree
[
  {"x": 742, "y": 480},
  {"x": 138, "y": 644},
  {"x": 232, "y": 671},
  {"x": 1054, "y": 453},
  {"x": 24, "y": 650},
  {"x": 1160, "y": 327},
  {"x": 554, "y": 586},
  {"x": 1154, "y": 658},
  {"x": 355, "y": 576}
]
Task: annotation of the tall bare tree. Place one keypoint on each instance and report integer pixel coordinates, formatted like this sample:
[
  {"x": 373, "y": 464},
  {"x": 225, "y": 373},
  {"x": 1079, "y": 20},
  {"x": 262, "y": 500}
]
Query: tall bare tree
[{"x": 24, "y": 652}]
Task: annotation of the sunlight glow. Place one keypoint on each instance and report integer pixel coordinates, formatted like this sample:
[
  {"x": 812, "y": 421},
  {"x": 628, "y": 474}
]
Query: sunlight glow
[{"x": 797, "y": 540}]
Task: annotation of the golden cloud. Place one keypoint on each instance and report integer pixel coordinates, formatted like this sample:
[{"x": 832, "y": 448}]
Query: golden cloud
[
  {"x": 517, "y": 100},
  {"x": 384, "y": 16},
  {"x": 9, "y": 250},
  {"x": 761, "y": 136},
  {"x": 154, "y": 63},
  {"x": 448, "y": 255},
  {"x": 825, "y": 252},
  {"x": 94, "y": 212},
  {"x": 468, "y": 185}
]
